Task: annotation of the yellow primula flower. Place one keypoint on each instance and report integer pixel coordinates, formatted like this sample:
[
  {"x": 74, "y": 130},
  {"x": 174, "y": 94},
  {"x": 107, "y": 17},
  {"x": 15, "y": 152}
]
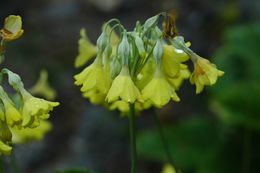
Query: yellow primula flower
[
  {"x": 171, "y": 60},
  {"x": 29, "y": 134},
  {"x": 159, "y": 91},
  {"x": 34, "y": 109},
  {"x": 178, "y": 80},
  {"x": 12, "y": 28},
  {"x": 43, "y": 88},
  {"x": 205, "y": 73},
  {"x": 86, "y": 49},
  {"x": 94, "y": 78},
  {"x": 123, "y": 88},
  {"x": 168, "y": 168},
  {"x": 178, "y": 54}
]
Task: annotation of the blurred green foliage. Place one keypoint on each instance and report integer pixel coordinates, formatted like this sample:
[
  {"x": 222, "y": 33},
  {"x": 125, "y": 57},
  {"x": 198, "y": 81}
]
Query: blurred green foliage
[{"x": 228, "y": 142}]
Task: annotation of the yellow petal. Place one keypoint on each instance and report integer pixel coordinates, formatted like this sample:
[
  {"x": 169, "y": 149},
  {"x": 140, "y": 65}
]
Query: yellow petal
[{"x": 86, "y": 49}]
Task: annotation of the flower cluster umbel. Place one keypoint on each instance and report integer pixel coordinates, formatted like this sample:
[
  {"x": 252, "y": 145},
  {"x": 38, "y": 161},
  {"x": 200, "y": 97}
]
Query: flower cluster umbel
[
  {"x": 22, "y": 114},
  {"x": 139, "y": 66}
]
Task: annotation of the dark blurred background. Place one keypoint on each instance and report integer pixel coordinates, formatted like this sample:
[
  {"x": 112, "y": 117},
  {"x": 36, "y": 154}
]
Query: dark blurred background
[{"x": 214, "y": 132}]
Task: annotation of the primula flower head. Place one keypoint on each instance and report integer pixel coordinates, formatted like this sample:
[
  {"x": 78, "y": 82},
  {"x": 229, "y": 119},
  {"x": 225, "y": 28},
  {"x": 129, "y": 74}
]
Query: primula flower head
[
  {"x": 205, "y": 73},
  {"x": 139, "y": 60},
  {"x": 12, "y": 28},
  {"x": 159, "y": 91},
  {"x": 123, "y": 88},
  {"x": 93, "y": 77},
  {"x": 86, "y": 49}
]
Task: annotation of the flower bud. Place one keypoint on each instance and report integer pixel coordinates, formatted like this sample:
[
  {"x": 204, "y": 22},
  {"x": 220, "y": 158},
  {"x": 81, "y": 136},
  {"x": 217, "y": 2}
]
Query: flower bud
[
  {"x": 124, "y": 49},
  {"x": 12, "y": 28},
  {"x": 102, "y": 42},
  {"x": 158, "y": 51},
  {"x": 140, "y": 46},
  {"x": 14, "y": 79},
  {"x": 151, "y": 22}
]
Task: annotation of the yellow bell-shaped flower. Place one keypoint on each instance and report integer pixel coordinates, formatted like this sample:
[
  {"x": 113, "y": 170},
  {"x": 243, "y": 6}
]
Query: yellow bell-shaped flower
[
  {"x": 158, "y": 90},
  {"x": 35, "y": 108},
  {"x": 205, "y": 73},
  {"x": 43, "y": 88},
  {"x": 123, "y": 88},
  {"x": 94, "y": 78},
  {"x": 86, "y": 49},
  {"x": 12, "y": 28}
]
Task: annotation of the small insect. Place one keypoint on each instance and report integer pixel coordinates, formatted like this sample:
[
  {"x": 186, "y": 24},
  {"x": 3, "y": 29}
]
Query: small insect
[{"x": 169, "y": 25}]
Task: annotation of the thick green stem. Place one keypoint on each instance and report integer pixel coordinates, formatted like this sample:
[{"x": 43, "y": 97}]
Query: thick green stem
[
  {"x": 164, "y": 141},
  {"x": 132, "y": 131}
]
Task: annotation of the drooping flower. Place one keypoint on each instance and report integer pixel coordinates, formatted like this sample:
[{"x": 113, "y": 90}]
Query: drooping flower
[
  {"x": 172, "y": 59},
  {"x": 123, "y": 88},
  {"x": 205, "y": 73},
  {"x": 86, "y": 49},
  {"x": 12, "y": 28},
  {"x": 159, "y": 91},
  {"x": 93, "y": 77},
  {"x": 43, "y": 88},
  {"x": 35, "y": 109}
]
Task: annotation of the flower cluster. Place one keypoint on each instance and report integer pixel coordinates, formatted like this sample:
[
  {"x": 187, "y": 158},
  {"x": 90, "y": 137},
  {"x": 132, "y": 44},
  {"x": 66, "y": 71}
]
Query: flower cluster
[
  {"x": 23, "y": 115},
  {"x": 140, "y": 66}
]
